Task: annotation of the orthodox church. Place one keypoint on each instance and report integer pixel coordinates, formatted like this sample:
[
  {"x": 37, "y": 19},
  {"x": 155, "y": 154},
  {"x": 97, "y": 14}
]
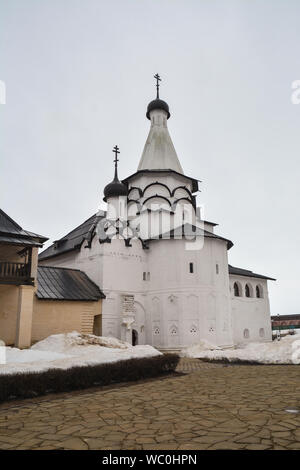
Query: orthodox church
[{"x": 162, "y": 268}]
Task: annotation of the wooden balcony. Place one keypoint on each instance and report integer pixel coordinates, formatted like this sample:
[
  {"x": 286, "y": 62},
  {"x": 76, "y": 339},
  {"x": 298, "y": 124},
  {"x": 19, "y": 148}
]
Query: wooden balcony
[{"x": 15, "y": 273}]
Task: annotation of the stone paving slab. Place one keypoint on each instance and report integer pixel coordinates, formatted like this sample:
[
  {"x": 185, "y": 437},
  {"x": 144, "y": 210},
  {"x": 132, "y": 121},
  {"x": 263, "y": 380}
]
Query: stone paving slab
[{"x": 240, "y": 407}]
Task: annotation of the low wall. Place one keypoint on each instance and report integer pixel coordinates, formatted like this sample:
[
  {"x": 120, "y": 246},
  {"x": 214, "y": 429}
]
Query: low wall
[{"x": 62, "y": 316}]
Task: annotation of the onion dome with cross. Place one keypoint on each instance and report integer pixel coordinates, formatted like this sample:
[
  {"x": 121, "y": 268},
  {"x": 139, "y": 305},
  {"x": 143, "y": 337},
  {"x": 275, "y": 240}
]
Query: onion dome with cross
[
  {"x": 157, "y": 103},
  {"x": 115, "y": 188}
]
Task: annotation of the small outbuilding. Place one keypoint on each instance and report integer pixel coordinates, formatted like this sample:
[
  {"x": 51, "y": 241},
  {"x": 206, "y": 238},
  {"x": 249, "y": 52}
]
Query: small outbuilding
[
  {"x": 66, "y": 300},
  {"x": 36, "y": 302}
]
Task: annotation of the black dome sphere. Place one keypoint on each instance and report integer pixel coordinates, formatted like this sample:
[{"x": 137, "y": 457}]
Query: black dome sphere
[
  {"x": 158, "y": 104},
  {"x": 115, "y": 189}
]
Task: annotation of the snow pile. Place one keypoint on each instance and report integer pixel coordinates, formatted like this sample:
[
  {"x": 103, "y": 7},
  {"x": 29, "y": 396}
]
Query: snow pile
[
  {"x": 285, "y": 351},
  {"x": 71, "y": 342},
  {"x": 198, "y": 348},
  {"x": 64, "y": 351},
  {"x": 15, "y": 355}
]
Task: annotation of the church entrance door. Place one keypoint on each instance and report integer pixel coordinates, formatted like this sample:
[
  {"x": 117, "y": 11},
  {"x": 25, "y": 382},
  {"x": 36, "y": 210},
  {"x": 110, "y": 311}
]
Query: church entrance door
[{"x": 134, "y": 337}]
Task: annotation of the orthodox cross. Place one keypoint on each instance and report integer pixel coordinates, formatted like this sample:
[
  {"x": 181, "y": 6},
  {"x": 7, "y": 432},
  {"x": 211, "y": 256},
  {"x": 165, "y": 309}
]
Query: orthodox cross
[
  {"x": 158, "y": 79},
  {"x": 116, "y": 151}
]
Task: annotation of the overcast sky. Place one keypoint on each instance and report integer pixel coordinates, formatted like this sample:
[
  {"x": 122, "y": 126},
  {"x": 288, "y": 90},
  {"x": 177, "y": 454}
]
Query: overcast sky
[{"x": 78, "y": 77}]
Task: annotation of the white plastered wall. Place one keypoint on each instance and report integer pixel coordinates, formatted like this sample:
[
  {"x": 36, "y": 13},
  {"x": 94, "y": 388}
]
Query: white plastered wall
[{"x": 250, "y": 313}]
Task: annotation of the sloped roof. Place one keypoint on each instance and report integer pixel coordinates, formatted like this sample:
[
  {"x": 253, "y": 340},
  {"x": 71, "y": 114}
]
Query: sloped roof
[
  {"x": 246, "y": 272},
  {"x": 66, "y": 284},
  {"x": 11, "y": 232},
  {"x": 191, "y": 231},
  {"x": 74, "y": 239}
]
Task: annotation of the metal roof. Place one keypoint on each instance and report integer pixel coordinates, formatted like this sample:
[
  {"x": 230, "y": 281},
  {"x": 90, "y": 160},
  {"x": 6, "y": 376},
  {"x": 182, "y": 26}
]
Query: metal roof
[
  {"x": 74, "y": 239},
  {"x": 66, "y": 284},
  {"x": 246, "y": 272},
  {"x": 11, "y": 232}
]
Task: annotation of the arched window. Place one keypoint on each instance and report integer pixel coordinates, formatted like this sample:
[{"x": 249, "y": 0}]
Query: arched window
[
  {"x": 246, "y": 333},
  {"x": 236, "y": 289},
  {"x": 262, "y": 332},
  {"x": 247, "y": 290},
  {"x": 259, "y": 291}
]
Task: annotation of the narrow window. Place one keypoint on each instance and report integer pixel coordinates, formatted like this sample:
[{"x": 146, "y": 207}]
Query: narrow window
[
  {"x": 191, "y": 268},
  {"x": 148, "y": 276},
  {"x": 246, "y": 333},
  {"x": 236, "y": 289},
  {"x": 144, "y": 276},
  {"x": 217, "y": 269},
  {"x": 258, "y": 292},
  {"x": 247, "y": 290},
  {"x": 262, "y": 332}
]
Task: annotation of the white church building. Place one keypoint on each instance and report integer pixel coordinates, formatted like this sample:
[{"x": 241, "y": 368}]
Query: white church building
[{"x": 163, "y": 269}]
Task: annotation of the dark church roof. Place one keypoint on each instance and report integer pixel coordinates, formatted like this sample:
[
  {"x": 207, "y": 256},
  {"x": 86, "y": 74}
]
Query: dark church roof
[
  {"x": 246, "y": 272},
  {"x": 66, "y": 284},
  {"x": 115, "y": 189},
  {"x": 191, "y": 231},
  {"x": 158, "y": 104},
  {"x": 12, "y": 233},
  {"x": 74, "y": 239}
]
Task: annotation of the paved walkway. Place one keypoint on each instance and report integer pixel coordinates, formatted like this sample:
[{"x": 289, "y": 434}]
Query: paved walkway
[
  {"x": 240, "y": 407},
  {"x": 187, "y": 365}
]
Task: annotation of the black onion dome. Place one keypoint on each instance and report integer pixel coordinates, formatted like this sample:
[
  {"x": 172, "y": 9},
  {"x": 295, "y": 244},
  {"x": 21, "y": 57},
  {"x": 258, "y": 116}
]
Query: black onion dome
[
  {"x": 158, "y": 104},
  {"x": 115, "y": 189}
]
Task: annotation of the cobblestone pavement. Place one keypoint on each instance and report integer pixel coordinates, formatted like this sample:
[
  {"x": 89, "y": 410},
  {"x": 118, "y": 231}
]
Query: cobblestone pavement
[
  {"x": 187, "y": 365},
  {"x": 240, "y": 407}
]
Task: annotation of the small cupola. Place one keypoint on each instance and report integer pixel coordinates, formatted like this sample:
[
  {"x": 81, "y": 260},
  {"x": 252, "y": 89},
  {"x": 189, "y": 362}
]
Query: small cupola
[
  {"x": 157, "y": 103},
  {"x": 116, "y": 188}
]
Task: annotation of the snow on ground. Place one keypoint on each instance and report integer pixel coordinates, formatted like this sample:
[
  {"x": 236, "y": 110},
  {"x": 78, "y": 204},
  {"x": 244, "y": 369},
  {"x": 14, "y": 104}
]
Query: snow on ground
[
  {"x": 285, "y": 351},
  {"x": 63, "y": 351}
]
